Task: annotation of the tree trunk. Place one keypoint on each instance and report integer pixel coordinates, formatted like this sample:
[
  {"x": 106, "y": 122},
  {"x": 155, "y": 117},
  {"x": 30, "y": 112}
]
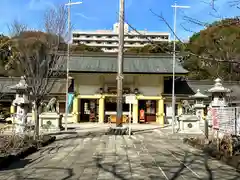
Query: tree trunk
[{"x": 36, "y": 118}]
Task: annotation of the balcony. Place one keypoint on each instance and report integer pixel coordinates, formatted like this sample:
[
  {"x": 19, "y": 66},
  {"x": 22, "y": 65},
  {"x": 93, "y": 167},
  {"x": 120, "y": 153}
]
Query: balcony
[
  {"x": 127, "y": 39},
  {"x": 93, "y": 38},
  {"x": 114, "y": 45}
]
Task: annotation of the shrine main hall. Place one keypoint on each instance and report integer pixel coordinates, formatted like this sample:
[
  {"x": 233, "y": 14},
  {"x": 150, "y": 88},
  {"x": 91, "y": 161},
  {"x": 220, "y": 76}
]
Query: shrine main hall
[
  {"x": 149, "y": 77},
  {"x": 146, "y": 76}
]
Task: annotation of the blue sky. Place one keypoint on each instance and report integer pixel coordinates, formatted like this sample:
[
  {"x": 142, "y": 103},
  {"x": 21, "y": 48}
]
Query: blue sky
[{"x": 101, "y": 14}]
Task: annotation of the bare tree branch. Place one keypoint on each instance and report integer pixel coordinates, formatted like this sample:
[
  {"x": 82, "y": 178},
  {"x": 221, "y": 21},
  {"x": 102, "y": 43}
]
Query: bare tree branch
[
  {"x": 211, "y": 3},
  {"x": 187, "y": 29},
  {"x": 55, "y": 22},
  {"x": 16, "y": 28},
  {"x": 39, "y": 61},
  {"x": 195, "y": 21},
  {"x": 206, "y": 57},
  {"x": 36, "y": 55},
  {"x": 167, "y": 24},
  {"x": 234, "y": 3},
  {"x": 217, "y": 16},
  {"x": 190, "y": 53}
]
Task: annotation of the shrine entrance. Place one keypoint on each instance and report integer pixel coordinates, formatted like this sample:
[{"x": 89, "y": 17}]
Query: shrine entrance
[
  {"x": 89, "y": 110},
  {"x": 111, "y": 109},
  {"x": 111, "y": 105},
  {"x": 149, "y": 107}
]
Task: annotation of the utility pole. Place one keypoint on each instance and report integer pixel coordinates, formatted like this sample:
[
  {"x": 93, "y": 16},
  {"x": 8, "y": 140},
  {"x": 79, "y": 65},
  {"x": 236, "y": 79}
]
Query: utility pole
[
  {"x": 120, "y": 64},
  {"x": 175, "y": 6},
  {"x": 69, "y": 4}
]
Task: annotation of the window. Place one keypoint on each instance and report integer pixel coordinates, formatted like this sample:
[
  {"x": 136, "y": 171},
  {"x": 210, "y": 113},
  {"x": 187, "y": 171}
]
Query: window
[
  {"x": 76, "y": 35},
  {"x": 75, "y": 41},
  {"x": 166, "y": 37}
]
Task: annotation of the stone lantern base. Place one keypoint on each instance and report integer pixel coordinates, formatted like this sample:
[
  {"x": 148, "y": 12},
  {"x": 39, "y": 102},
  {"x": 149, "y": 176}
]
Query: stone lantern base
[
  {"x": 50, "y": 121},
  {"x": 189, "y": 124}
]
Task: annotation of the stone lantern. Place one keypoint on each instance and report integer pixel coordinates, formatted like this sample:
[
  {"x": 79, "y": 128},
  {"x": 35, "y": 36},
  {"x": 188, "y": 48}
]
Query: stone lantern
[
  {"x": 189, "y": 122},
  {"x": 219, "y": 94},
  {"x": 22, "y": 103},
  {"x": 199, "y": 103}
]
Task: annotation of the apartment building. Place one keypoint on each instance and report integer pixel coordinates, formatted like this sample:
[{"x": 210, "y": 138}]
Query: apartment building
[{"x": 108, "y": 39}]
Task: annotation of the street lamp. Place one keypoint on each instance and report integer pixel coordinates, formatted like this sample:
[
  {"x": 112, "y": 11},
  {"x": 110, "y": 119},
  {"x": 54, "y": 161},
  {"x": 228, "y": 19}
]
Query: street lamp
[
  {"x": 175, "y": 6},
  {"x": 69, "y": 4}
]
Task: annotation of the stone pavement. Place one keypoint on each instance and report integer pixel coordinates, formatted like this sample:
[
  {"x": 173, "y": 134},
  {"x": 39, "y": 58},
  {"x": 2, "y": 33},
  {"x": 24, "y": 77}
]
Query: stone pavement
[{"x": 151, "y": 153}]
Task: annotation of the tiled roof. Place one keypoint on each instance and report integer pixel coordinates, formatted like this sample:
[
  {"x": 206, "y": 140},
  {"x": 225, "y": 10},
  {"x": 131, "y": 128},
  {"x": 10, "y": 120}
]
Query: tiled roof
[
  {"x": 132, "y": 64},
  {"x": 190, "y": 87}
]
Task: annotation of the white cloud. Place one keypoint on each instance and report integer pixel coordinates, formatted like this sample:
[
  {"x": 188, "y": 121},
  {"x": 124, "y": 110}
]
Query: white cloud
[{"x": 86, "y": 17}]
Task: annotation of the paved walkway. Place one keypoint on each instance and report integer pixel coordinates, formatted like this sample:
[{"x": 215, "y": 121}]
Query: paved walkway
[{"x": 149, "y": 154}]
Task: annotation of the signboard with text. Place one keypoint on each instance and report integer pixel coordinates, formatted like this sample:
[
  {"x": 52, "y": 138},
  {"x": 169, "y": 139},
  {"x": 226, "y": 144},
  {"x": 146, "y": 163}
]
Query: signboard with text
[
  {"x": 215, "y": 119},
  {"x": 130, "y": 99}
]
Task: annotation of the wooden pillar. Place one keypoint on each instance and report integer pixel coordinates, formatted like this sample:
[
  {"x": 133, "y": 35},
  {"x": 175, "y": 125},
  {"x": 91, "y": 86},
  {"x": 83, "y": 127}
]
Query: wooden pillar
[
  {"x": 76, "y": 101},
  {"x": 160, "y": 103},
  {"x": 160, "y": 112},
  {"x": 135, "y": 113},
  {"x": 12, "y": 109},
  {"x": 101, "y": 110},
  {"x": 79, "y": 110},
  {"x": 75, "y": 110},
  {"x": 180, "y": 109}
]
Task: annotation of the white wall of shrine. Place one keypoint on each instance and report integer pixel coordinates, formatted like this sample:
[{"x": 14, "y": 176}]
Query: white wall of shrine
[
  {"x": 88, "y": 89},
  {"x": 89, "y": 84}
]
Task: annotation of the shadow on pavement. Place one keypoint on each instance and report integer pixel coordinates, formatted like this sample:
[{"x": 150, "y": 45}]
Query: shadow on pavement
[
  {"x": 182, "y": 167},
  {"x": 18, "y": 164},
  {"x": 62, "y": 133},
  {"x": 81, "y": 135},
  {"x": 145, "y": 130},
  {"x": 109, "y": 168},
  {"x": 68, "y": 173},
  {"x": 175, "y": 165}
]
